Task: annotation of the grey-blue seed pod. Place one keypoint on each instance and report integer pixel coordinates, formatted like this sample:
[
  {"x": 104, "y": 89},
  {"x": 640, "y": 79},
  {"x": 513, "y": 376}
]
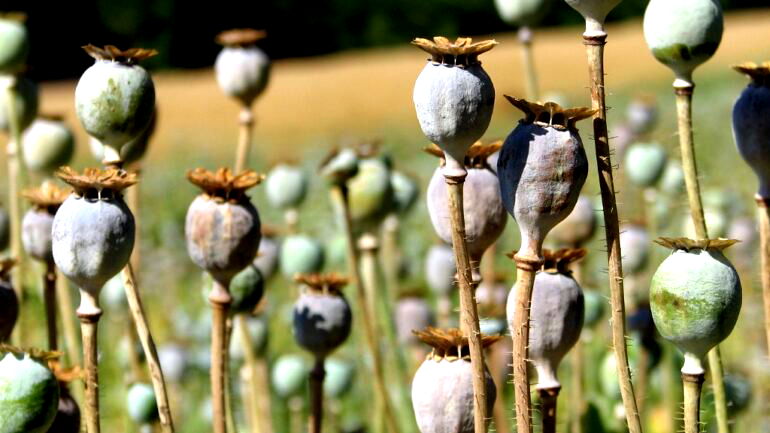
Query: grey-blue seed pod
[
  {"x": 267, "y": 254},
  {"x": 242, "y": 69},
  {"x": 454, "y": 97},
  {"x": 542, "y": 168},
  {"x": 751, "y": 123},
  {"x": 301, "y": 254},
  {"x": 38, "y": 221},
  {"x": 322, "y": 316}
]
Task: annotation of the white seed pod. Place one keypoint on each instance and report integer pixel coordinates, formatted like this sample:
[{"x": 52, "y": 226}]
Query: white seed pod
[
  {"x": 141, "y": 404},
  {"x": 485, "y": 216},
  {"x": 522, "y": 12},
  {"x": 579, "y": 227},
  {"x": 289, "y": 375},
  {"x": 634, "y": 247},
  {"x": 751, "y": 123},
  {"x": 29, "y": 394},
  {"x": 672, "y": 180},
  {"x": 557, "y": 311},
  {"x": 267, "y": 256},
  {"x": 242, "y": 69},
  {"x": 286, "y": 186},
  {"x": 442, "y": 388},
  {"x": 594, "y": 12},
  {"x": 339, "y": 377},
  {"x": 412, "y": 313},
  {"x": 642, "y": 115},
  {"x": 440, "y": 268},
  {"x": 14, "y": 44},
  {"x": 48, "y": 144},
  {"x": 322, "y": 316},
  {"x": 645, "y": 163},
  {"x": 542, "y": 168},
  {"x": 454, "y": 97},
  {"x": 115, "y": 97},
  {"x": 25, "y": 99},
  {"x": 695, "y": 297},
  {"x": 683, "y": 34}
]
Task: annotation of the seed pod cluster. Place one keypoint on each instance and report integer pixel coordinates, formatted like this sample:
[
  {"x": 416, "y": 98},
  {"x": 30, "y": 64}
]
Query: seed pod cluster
[
  {"x": 48, "y": 144},
  {"x": 38, "y": 221},
  {"x": 242, "y": 69},
  {"x": 322, "y": 316},
  {"x": 444, "y": 380},
  {"x": 29, "y": 392}
]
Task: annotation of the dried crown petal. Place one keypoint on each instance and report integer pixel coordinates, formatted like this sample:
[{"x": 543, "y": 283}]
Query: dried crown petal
[
  {"x": 33, "y": 352},
  {"x": 240, "y": 37},
  {"x": 691, "y": 244},
  {"x": 223, "y": 183},
  {"x": 331, "y": 283},
  {"x": 20, "y": 17},
  {"x": 462, "y": 52},
  {"x": 111, "y": 52},
  {"x": 46, "y": 196},
  {"x": 550, "y": 114},
  {"x": 475, "y": 157},
  {"x": 450, "y": 343},
  {"x": 5, "y": 267},
  {"x": 759, "y": 73},
  {"x": 93, "y": 178}
]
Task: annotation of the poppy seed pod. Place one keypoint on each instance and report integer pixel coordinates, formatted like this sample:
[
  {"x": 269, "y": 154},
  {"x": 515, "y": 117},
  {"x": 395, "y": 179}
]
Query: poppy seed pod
[
  {"x": 672, "y": 180},
  {"x": 454, "y": 97},
  {"x": 93, "y": 230},
  {"x": 579, "y": 226},
  {"x": 48, "y": 144},
  {"x": 542, "y": 168},
  {"x": 339, "y": 166},
  {"x": 751, "y": 126},
  {"x": 642, "y": 115},
  {"x": 412, "y": 313},
  {"x": 683, "y": 34},
  {"x": 286, "y": 186},
  {"x": 267, "y": 254},
  {"x": 594, "y": 12},
  {"x": 300, "y": 254},
  {"x": 14, "y": 43},
  {"x": 133, "y": 150},
  {"x": 695, "y": 297},
  {"x": 141, "y": 404},
  {"x": 595, "y": 305},
  {"x": 485, "y": 215},
  {"x": 68, "y": 413},
  {"x": 38, "y": 221},
  {"x": 29, "y": 393},
  {"x": 115, "y": 97},
  {"x": 645, "y": 163},
  {"x": 442, "y": 389},
  {"x": 242, "y": 69},
  {"x": 522, "y": 12},
  {"x": 339, "y": 377},
  {"x": 322, "y": 317},
  {"x": 370, "y": 193},
  {"x": 9, "y": 303},
  {"x": 634, "y": 243},
  {"x": 175, "y": 361},
  {"x": 222, "y": 226},
  {"x": 26, "y": 101},
  {"x": 405, "y": 192},
  {"x": 440, "y": 268},
  {"x": 247, "y": 288},
  {"x": 289, "y": 375},
  {"x": 556, "y": 314}
]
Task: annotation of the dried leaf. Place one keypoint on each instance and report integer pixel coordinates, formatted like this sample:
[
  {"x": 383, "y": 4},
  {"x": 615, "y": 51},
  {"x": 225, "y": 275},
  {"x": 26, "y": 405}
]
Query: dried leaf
[
  {"x": 94, "y": 178},
  {"x": 700, "y": 244},
  {"x": 47, "y": 196},
  {"x": 240, "y": 37},
  {"x": 111, "y": 52},
  {"x": 550, "y": 114}
]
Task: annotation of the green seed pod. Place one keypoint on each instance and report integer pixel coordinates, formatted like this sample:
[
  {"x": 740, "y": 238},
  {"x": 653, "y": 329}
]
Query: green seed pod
[
  {"x": 247, "y": 288},
  {"x": 14, "y": 43},
  {"x": 29, "y": 394},
  {"x": 739, "y": 393},
  {"x": 133, "y": 150},
  {"x": 68, "y": 414},
  {"x": 405, "y": 192},
  {"x": 454, "y": 97},
  {"x": 493, "y": 326},
  {"x": 141, "y": 404},
  {"x": 370, "y": 193},
  {"x": 115, "y": 97},
  {"x": 9, "y": 303},
  {"x": 542, "y": 168},
  {"x": 695, "y": 297},
  {"x": 286, "y": 186},
  {"x": 522, "y": 12},
  {"x": 336, "y": 251},
  {"x": 579, "y": 227},
  {"x": 322, "y": 317},
  {"x": 289, "y": 375},
  {"x": 445, "y": 380},
  {"x": 645, "y": 163},
  {"x": 25, "y": 98},
  {"x": 683, "y": 34},
  {"x": 241, "y": 68},
  {"x": 440, "y": 268},
  {"x": 48, "y": 144},
  {"x": 38, "y": 221},
  {"x": 595, "y": 305},
  {"x": 301, "y": 254},
  {"x": 751, "y": 127},
  {"x": 5, "y": 229},
  {"x": 339, "y": 377},
  {"x": 634, "y": 245},
  {"x": 594, "y": 12}
]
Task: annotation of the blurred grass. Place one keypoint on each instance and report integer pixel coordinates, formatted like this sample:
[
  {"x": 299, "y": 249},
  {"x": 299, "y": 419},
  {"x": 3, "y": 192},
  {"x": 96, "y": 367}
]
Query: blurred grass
[{"x": 315, "y": 104}]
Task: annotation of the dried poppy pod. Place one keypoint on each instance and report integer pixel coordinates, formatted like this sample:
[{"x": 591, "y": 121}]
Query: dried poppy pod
[
  {"x": 38, "y": 221},
  {"x": 454, "y": 97},
  {"x": 579, "y": 226},
  {"x": 25, "y": 96},
  {"x": 542, "y": 168},
  {"x": 645, "y": 163},
  {"x": 9, "y": 302},
  {"x": 48, "y": 144},
  {"x": 322, "y": 316},
  {"x": 444, "y": 380},
  {"x": 222, "y": 226},
  {"x": 483, "y": 209},
  {"x": 29, "y": 391},
  {"x": 14, "y": 43},
  {"x": 751, "y": 127},
  {"x": 339, "y": 166},
  {"x": 115, "y": 97},
  {"x": 594, "y": 12},
  {"x": 242, "y": 69}
]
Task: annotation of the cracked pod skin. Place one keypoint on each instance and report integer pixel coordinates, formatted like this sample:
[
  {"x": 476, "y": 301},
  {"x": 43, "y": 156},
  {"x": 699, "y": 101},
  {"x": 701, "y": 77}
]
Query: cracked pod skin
[
  {"x": 14, "y": 46},
  {"x": 115, "y": 101},
  {"x": 751, "y": 125},
  {"x": 556, "y": 316},
  {"x": 579, "y": 226},
  {"x": 29, "y": 395},
  {"x": 695, "y": 297},
  {"x": 442, "y": 395},
  {"x": 48, "y": 144},
  {"x": 322, "y": 322},
  {"x": 92, "y": 238},
  {"x": 222, "y": 236},
  {"x": 242, "y": 72},
  {"x": 68, "y": 414},
  {"x": 683, "y": 34},
  {"x": 541, "y": 170},
  {"x": 9, "y": 310},
  {"x": 485, "y": 216},
  {"x": 26, "y": 99},
  {"x": 36, "y": 229},
  {"x": 286, "y": 186}
]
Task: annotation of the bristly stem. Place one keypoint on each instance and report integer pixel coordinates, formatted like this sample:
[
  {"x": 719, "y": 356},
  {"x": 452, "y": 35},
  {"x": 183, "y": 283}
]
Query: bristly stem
[
  {"x": 526, "y": 268},
  {"x": 530, "y": 72},
  {"x": 89, "y": 313},
  {"x": 245, "y": 129},
  {"x": 595, "y": 51},
  {"x": 692, "y": 384},
  {"x": 49, "y": 295},
  {"x": 577, "y": 405},
  {"x": 148, "y": 345},
  {"x": 340, "y": 195},
  {"x": 316, "y": 380},
  {"x": 548, "y": 401},
  {"x": 684, "y": 91},
  {"x": 469, "y": 316}
]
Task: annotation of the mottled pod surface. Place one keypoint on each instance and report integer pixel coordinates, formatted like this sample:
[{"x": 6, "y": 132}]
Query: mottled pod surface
[
  {"x": 29, "y": 394},
  {"x": 695, "y": 295},
  {"x": 751, "y": 123},
  {"x": 242, "y": 69},
  {"x": 322, "y": 316}
]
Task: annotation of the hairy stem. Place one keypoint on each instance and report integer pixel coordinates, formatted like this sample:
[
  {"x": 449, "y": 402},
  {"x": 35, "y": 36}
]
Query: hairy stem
[
  {"x": 316, "y": 380},
  {"x": 595, "y": 52},
  {"x": 245, "y": 129},
  {"x": 692, "y": 384},
  {"x": 525, "y": 281}
]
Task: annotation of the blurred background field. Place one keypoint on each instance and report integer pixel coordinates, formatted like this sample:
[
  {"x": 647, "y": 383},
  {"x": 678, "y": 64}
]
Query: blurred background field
[{"x": 315, "y": 103}]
